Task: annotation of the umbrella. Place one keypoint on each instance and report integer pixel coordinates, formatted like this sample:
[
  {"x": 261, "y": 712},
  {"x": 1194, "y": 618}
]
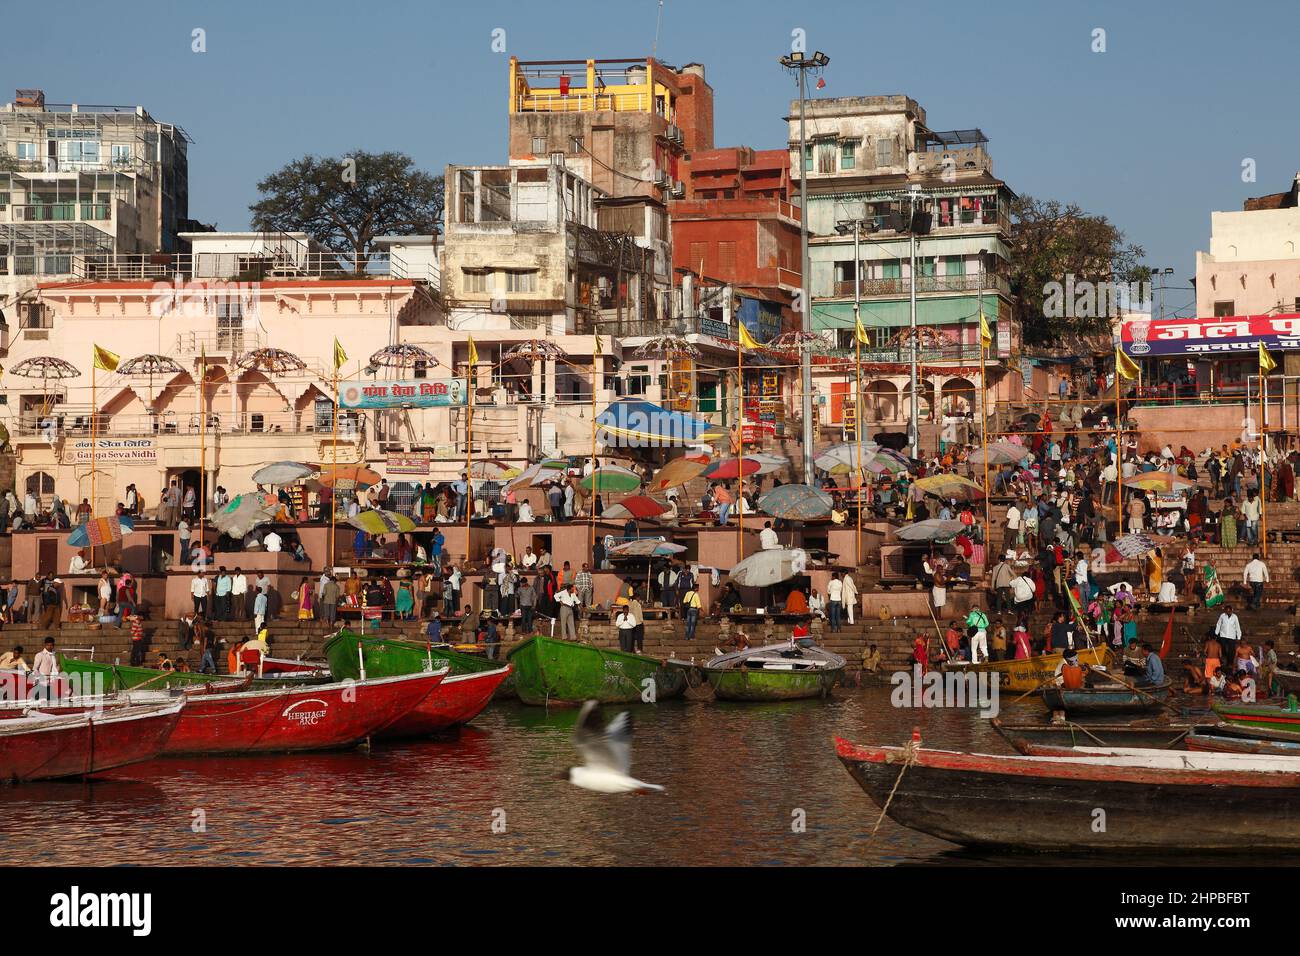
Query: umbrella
[
  {"x": 1134, "y": 545},
  {"x": 636, "y": 506},
  {"x": 147, "y": 366},
  {"x": 646, "y": 548},
  {"x": 768, "y": 463},
  {"x": 493, "y": 469},
  {"x": 844, "y": 456},
  {"x": 765, "y": 568},
  {"x": 731, "y": 468},
  {"x": 245, "y": 513},
  {"x": 950, "y": 486},
  {"x": 538, "y": 473},
  {"x": 282, "y": 473},
  {"x": 611, "y": 478},
  {"x": 931, "y": 529},
  {"x": 1159, "y": 481},
  {"x": 354, "y": 474},
  {"x": 796, "y": 502},
  {"x": 1000, "y": 453},
  {"x": 403, "y": 355},
  {"x": 677, "y": 472},
  {"x": 275, "y": 361},
  {"x": 374, "y": 521},
  {"x": 98, "y": 532}
]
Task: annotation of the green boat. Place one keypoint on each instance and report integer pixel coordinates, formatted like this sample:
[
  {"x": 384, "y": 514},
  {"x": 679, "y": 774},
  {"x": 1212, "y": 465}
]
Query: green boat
[
  {"x": 124, "y": 677},
  {"x": 776, "y": 672},
  {"x": 393, "y": 657},
  {"x": 1261, "y": 716},
  {"x": 548, "y": 671}
]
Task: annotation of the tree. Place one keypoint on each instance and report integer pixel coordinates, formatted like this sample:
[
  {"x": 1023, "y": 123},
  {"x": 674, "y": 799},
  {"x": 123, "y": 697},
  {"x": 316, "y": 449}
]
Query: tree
[
  {"x": 1065, "y": 268},
  {"x": 344, "y": 203},
  {"x": 8, "y": 164}
]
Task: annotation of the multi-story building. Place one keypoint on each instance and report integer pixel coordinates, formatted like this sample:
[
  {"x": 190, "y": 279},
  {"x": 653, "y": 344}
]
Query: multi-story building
[
  {"x": 875, "y": 168},
  {"x": 622, "y": 125},
  {"x": 81, "y": 183}
]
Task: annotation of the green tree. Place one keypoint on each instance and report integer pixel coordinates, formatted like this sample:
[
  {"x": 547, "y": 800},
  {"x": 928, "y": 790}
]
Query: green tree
[
  {"x": 346, "y": 202},
  {"x": 1053, "y": 242}
]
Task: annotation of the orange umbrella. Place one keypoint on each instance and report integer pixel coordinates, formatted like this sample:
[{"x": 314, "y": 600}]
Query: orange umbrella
[
  {"x": 677, "y": 472},
  {"x": 358, "y": 475}
]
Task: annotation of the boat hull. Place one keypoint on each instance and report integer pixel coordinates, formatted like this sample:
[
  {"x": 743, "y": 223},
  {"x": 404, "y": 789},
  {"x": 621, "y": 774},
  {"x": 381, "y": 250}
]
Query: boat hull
[
  {"x": 550, "y": 672},
  {"x": 389, "y": 657},
  {"x": 1041, "y": 804},
  {"x": 324, "y": 717},
  {"x": 1030, "y": 673},
  {"x": 456, "y": 701},
  {"x": 1207, "y": 740},
  {"x": 81, "y": 744},
  {"x": 1262, "y": 716},
  {"x": 120, "y": 677},
  {"x": 1094, "y": 702},
  {"x": 754, "y": 684}
]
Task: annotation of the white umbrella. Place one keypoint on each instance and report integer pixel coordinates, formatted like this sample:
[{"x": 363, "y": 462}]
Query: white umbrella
[
  {"x": 765, "y": 568},
  {"x": 282, "y": 473}
]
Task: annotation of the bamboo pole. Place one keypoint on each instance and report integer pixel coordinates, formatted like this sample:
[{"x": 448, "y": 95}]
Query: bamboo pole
[
  {"x": 203, "y": 446},
  {"x": 334, "y": 483},
  {"x": 94, "y": 441},
  {"x": 857, "y": 432},
  {"x": 1119, "y": 456},
  {"x": 469, "y": 457},
  {"x": 740, "y": 449},
  {"x": 591, "y": 505},
  {"x": 984, "y": 436}
]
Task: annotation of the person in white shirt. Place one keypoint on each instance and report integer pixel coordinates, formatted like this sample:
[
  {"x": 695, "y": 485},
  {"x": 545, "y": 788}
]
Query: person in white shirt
[
  {"x": 1255, "y": 576},
  {"x": 1228, "y": 626},
  {"x": 767, "y": 538},
  {"x": 239, "y": 595},
  {"x": 526, "y": 512},
  {"x": 46, "y": 663},
  {"x": 835, "y": 600},
  {"x": 1250, "y": 512},
  {"x": 850, "y": 595},
  {"x": 1011, "y": 536},
  {"x": 273, "y": 543},
  {"x": 529, "y": 560},
  {"x": 568, "y": 601},
  {"x": 199, "y": 592},
  {"x": 78, "y": 564}
]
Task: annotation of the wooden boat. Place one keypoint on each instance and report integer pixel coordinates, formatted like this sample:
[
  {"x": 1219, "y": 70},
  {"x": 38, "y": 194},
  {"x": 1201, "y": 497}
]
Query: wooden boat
[
  {"x": 38, "y": 746},
  {"x": 1255, "y": 733},
  {"x": 1154, "y": 800},
  {"x": 1105, "y": 699},
  {"x": 456, "y": 701},
  {"x": 550, "y": 671},
  {"x": 1025, "y": 737},
  {"x": 388, "y": 657},
  {"x": 103, "y": 678},
  {"x": 1030, "y": 673},
  {"x": 322, "y": 717},
  {"x": 1266, "y": 716},
  {"x": 1288, "y": 680},
  {"x": 784, "y": 671},
  {"x": 1208, "y": 739}
]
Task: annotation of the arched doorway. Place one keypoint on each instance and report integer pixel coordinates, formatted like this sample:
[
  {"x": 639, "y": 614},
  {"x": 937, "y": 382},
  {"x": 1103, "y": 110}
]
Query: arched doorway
[
  {"x": 925, "y": 402},
  {"x": 959, "y": 397},
  {"x": 881, "y": 400}
]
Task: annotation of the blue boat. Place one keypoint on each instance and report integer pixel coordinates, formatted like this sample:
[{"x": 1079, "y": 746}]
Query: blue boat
[{"x": 1106, "y": 699}]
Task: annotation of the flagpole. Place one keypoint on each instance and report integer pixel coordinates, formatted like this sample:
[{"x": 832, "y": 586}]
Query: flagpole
[
  {"x": 334, "y": 482},
  {"x": 857, "y": 429},
  {"x": 740, "y": 448},
  {"x": 203, "y": 443},
  {"x": 1119, "y": 455},
  {"x": 984, "y": 429},
  {"x": 94, "y": 404},
  {"x": 591, "y": 505},
  {"x": 469, "y": 451},
  {"x": 1263, "y": 431}
]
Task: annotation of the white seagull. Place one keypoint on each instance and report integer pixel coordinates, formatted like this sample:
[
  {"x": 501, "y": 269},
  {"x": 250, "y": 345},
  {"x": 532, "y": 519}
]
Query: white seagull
[{"x": 606, "y": 754}]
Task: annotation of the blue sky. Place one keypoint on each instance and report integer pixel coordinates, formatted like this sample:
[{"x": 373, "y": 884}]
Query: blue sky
[{"x": 1152, "y": 132}]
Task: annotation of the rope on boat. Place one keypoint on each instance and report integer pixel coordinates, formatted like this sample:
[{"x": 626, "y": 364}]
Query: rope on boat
[{"x": 909, "y": 758}]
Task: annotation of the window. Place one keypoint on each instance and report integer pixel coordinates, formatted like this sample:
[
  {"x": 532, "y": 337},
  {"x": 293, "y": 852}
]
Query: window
[
  {"x": 698, "y": 251},
  {"x": 884, "y": 152},
  {"x": 925, "y": 266},
  {"x": 575, "y": 144},
  {"x": 539, "y": 145},
  {"x": 26, "y": 152},
  {"x": 826, "y": 157},
  {"x": 121, "y": 154},
  {"x": 954, "y": 265},
  {"x": 849, "y": 154},
  {"x": 1225, "y": 308},
  {"x": 638, "y": 379},
  {"x": 476, "y": 280},
  {"x": 4, "y": 199},
  {"x": 521, "y": 281},
  {"x": 230, "y": 325},
  {"x": 807, "y": 158},
  {"x": 726, "y": 258},
  {"x": 892, "y": 269},
  {"x": 421, "y": 369}
]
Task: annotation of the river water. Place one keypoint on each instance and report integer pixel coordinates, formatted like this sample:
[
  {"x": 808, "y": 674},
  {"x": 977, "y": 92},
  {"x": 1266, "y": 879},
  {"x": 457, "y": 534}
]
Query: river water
[{"x": 740, "y": 780}]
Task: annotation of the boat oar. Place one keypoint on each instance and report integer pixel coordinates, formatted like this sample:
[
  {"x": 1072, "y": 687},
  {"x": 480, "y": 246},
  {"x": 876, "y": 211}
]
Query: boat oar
[{"x": 1136, "y": 689}]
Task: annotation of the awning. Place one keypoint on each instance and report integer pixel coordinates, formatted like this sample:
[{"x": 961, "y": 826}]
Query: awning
[{"x": 631, "y": 423}]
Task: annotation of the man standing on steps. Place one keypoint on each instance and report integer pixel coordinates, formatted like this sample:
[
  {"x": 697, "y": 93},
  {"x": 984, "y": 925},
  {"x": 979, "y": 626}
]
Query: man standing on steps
[
  {"x": 1250, "y": 512},
  {"x": 1255, "y": 577},
  {"x": 835, "y": 601},
  {"x": 1228, "y": 630},
  {"x": 239, "y": 596},
  {"x": 568, "y": 601},
  {"x": 1011, "y": 533},
  {"x": 850, "y": 595}
]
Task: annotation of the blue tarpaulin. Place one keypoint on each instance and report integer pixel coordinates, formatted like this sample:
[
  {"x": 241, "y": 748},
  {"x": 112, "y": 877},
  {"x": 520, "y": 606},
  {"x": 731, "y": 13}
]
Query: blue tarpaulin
[{"x": 632, "y": 423}]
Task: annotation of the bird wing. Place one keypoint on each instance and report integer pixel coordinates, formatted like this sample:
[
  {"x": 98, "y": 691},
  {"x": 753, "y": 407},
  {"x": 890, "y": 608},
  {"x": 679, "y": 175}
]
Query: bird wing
[{"x": 607, "y": 748}]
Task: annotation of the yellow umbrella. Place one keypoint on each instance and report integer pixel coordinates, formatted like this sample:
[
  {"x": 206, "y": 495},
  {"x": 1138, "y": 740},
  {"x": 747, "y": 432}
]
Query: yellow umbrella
[
  {"x": 677, "y": 472},
  {"x": 950, "y": 486},
  {"x": 1159, "y": 481}
]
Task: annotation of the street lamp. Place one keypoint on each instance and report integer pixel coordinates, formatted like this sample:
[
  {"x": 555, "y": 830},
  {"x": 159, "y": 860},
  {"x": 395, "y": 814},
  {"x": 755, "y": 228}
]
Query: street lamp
[{"x": 800, "y": 64}]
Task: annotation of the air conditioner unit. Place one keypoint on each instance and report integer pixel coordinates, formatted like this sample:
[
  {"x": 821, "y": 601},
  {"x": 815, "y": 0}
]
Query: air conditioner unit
[
  {"x": 662, "y": 179},
  {"x": 675, "y": 133},
  {"x": 678, "y": 190}
]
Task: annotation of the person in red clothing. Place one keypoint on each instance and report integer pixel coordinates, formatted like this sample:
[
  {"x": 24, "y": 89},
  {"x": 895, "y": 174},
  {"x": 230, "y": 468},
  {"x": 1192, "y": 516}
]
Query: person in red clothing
[
  {"x": 921, "y": 654},
  {"x": 137, "y": 640}
]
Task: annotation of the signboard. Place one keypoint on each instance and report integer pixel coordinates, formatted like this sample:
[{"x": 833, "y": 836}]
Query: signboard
[
  {"x": 403, "y": 393},
  {"x": 1224, "y": 337},
  {"x": 1004, "y": 339},
  {"x": 110, "y": 451},
  {"x": 719, "y": 330},
  {"x": 415, "y": 464}
]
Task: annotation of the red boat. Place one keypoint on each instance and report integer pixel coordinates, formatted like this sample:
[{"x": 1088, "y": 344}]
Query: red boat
[
  {"x": 286, "y": 668},
  {"x": 321, "y": 717},
  {"x": 43, "y": 747},
  {"x": 457, "y": 700}
]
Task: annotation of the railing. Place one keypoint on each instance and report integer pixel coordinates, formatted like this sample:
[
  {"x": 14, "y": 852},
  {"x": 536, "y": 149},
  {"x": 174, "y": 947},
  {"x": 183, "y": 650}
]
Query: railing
[
  {"x": 234, "y": 342},
  {"x": 553, "y": 102},
  {"x": 75, "y": 422},
  {"x": 63, "y": 211},
  {"x": 269, "y": 262},
  {"x": 924, "y": 284}
]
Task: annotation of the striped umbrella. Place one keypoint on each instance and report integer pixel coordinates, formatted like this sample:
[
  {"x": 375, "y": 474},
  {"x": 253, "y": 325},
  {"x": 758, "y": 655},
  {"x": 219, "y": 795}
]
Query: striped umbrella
[
  {"x": 950, "y": 486},
  {"x": 731, "y": 468},
  {"x": 358, "y": 475},
  {"x": 375, "y": 521},
  {"x": 538, "y": 473},
  {"x": 646, "y": 548},
  {"x": 635, "y": 506},
  {"x": 245, "y": 513},
  {"x": 611, "y": 478},
  {"x": 1000, "y": 453},
  {"x": 931, "y": 529},
  {"x": 98, "y": 532},
  {"x": 768, "y": 463}
]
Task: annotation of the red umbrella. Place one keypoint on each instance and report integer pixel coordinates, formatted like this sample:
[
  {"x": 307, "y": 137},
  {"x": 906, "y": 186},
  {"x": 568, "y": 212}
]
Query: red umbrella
[
  {"x": 732, "y": 468},
  {"x": 636, "y": 506}
]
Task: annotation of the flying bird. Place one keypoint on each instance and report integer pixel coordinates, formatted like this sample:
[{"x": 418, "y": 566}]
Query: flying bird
[{"x": 606, "y": 754}]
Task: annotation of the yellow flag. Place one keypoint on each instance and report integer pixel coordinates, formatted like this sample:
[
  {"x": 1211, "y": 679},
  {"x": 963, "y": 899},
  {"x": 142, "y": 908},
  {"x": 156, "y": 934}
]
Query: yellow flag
[
  {"x": 340, "y": 356},
  {"x": 746, "y": 340},
  {"x": 1125, "y": 365},
  {"x": 1266, "y": 363},
  {"x": 860, "y": 330},
  {"x": 986, "y": 334},
  {"x": 473, "y": 352},
  {"x": 597, "y": 350},
  {"x": 106, "y": 360}
]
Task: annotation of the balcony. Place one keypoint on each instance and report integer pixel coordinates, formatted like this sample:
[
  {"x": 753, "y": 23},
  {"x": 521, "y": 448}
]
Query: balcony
[
  {"x": 925, "y": 284},
  {"x": 61, "y": 212},
  {"x": 74, "y": 422}
]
